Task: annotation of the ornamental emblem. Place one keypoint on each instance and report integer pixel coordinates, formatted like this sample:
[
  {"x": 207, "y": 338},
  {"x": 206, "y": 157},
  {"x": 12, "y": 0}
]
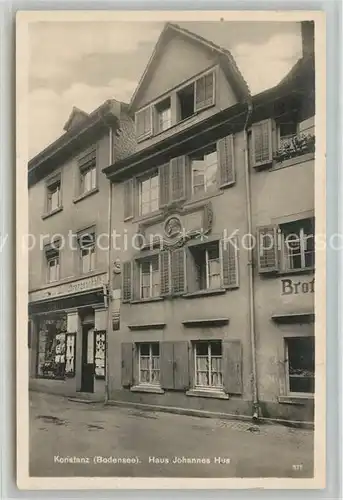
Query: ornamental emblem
[{"x": 173, "y": 227}]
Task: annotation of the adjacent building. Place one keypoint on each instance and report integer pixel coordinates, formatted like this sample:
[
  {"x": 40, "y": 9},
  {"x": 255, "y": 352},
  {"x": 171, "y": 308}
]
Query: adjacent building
[
  {"x": 208, "y": 319},
  {"x": 68, "y": 258}
]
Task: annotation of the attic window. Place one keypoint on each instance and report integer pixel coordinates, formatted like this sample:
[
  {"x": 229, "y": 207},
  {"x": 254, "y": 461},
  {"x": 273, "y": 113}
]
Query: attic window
[
  {"x": 163, "y": 115},
  {"x": 186, "y": 102}
]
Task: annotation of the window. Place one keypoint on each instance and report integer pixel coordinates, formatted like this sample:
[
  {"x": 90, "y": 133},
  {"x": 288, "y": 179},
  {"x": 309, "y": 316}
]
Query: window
[
  {"x": 207, "y": 266},
  {"x": 149, "y": 363},
  {"x": 204, "y": 165},
  {"x": 54, "y": 195},
  {"x": 53, "y": 268},
  {"x": 298, "y": 244},
  {"x": 287, "y": 131},
  {"x": 88, "y": 173},
  {"x": 52, "y": 347},
  {"x": 186, "y": 102},
  {"x": 163, "y": 115},
  {"x": 150, "y": 277},
  {"x": 208, "y": 364},
  {"x": 87, "y": 250},
  {"x": 148, "y": 194},
  {"x": 300, "y": 364}
]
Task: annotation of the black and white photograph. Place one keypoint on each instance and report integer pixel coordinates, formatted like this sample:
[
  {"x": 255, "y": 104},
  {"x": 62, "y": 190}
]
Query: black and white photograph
[{"x": 169, "y": 229}]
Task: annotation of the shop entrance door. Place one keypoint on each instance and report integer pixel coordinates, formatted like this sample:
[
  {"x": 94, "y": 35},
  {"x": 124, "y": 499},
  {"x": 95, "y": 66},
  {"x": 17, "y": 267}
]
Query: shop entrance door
[{"x": 87, "y": 375}]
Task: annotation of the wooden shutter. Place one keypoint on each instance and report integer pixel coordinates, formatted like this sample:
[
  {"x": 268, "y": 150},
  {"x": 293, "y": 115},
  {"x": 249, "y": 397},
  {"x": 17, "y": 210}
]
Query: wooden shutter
[
  {"x": 127, "y": 281},
  {"x": 192, "y": 272},
  {"x": 261, "y": 143},
  {"x": 165, "y": 272},
  {"x": 181, "y": 365},
  {"x": 229, "y": 262},
  {"x": 204, "y": 91},
  {"x": 136, "y": 282},
  {"x": 164, "y": 184},
  {"x": 267, "y": 248},
  {"x": 232, "y": 367},
  {"x": 178, "y": 178},
  {"x": 174, "y": 363},
  {"x": 126, "y": 364},
  {"x": 128, "y": 199},
  {"x": 178, "y": 277},
  {"x": 144, "y": 122},
  {"x": 226, "y": 160},
  {"x": 167, "y": 365}
]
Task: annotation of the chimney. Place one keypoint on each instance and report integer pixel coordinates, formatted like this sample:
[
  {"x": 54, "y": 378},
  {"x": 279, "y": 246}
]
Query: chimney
[{"x": 307, "y": 35}]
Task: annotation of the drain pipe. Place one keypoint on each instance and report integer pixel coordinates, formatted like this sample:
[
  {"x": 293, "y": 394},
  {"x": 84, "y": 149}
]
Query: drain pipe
[
  {"x": 109, "y": 269},
  {"x": 256, "y": 406}
]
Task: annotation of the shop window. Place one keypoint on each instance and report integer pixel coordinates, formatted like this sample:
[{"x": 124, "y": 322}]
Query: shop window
[
  {"x": 51, "y": 361},
  {"x": 298, "y": 245},
  {"x": 149, "y": 277},
  {"x": 204, "y": 165},
  {"x": 99, "y": 355},
  {"x": 149, "y": 363},
  {"x": 208, "y": 364},
  {"x": 148, "y": 187},
  {"x": 300, "y": 362}
]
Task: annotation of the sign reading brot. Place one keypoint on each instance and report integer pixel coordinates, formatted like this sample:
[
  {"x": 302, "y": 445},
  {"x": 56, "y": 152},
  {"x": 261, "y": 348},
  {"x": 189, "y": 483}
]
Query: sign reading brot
[{"x": 290, "y": 287}]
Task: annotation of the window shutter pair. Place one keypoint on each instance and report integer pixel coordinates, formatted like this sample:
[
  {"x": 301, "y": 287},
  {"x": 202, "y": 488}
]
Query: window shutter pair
[
  {"x": 174, "y": 365},
  {"x": 226, "y": 161},
  {"x": 143, "y": 120},
  {"x": 261, "y": 143},
  {"x": 229, "y": 262},
  {"x": 204, "y": 91},
  {"x": 172, "y": 180},
  {"x": 267, "y": 248},
  {"x": 173, "y": 271}
]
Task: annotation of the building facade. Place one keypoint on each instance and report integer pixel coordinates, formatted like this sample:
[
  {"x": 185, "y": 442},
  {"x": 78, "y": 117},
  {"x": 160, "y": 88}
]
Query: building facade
[
  {"x": 214, "y": 222},
  {"x": 68, "y": 257}
]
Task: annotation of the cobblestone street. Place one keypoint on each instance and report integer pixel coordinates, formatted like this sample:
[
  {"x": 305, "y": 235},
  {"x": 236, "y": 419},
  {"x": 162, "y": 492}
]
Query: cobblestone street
[{"x": 64, "y": 433}]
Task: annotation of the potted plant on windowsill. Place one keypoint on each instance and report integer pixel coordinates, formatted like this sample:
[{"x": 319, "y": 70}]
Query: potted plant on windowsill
[{"x": 296, "y": 146}]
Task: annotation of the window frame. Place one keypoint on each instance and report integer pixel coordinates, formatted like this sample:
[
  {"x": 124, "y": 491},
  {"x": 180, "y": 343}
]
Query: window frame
[
  {"x": 287, "y": 374},
  {"x": 278, "y": 129},
  {"x": 139, "y": 180},
  {"x": 51, "y": 181},
  {"x": 149, "y": 259},
  {"x": 285, "y": 255},
  {"x": 56, "y": 258},
  {"x": 215, "y": 186},
  {"x": 83, "y": 169},
  {"x": 150, "y": 369},
  {"x": 197, "y": 386},
  {"x": 157, "y": 113}
]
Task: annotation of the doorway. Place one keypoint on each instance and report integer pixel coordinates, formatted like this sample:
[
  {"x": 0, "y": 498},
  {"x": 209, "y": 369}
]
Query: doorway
[{"x": 87, "y": 373}]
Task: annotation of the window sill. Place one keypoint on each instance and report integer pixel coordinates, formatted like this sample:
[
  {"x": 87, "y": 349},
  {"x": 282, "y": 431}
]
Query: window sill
[
  {"x": 296, "y": 399},
  {"x": 143, "y": 301},
  {"x": 147, "y": 388},
  {"x": 203, "y": 393},
  {"x": 53, "y": 212},
  {"x": 277, "y": 165},
  {"x": 85, "y": 195},
  {"x": 204, "y": 293},
  {"x": 307, "y": 270}
]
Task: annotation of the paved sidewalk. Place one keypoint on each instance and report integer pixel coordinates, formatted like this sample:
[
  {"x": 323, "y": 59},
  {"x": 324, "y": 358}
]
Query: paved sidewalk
[{"x": 63, "y": 433}]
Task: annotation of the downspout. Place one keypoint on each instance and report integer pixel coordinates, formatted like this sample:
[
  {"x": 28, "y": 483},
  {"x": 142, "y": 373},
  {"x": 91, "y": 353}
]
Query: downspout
[
  {"x": 256, "y": 406},
  {"x": 109, "y": 269}
]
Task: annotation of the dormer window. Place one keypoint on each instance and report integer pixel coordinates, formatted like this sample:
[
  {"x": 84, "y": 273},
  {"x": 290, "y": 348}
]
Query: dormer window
[
  {"x": 186, "y": 102},
  {"x": 163, "y": 115}
]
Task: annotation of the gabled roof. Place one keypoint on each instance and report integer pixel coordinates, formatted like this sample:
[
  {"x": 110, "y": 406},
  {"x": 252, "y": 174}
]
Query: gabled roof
[
  {"x": 76, "y": 117},
  {"x": 232, "y": 71}
]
